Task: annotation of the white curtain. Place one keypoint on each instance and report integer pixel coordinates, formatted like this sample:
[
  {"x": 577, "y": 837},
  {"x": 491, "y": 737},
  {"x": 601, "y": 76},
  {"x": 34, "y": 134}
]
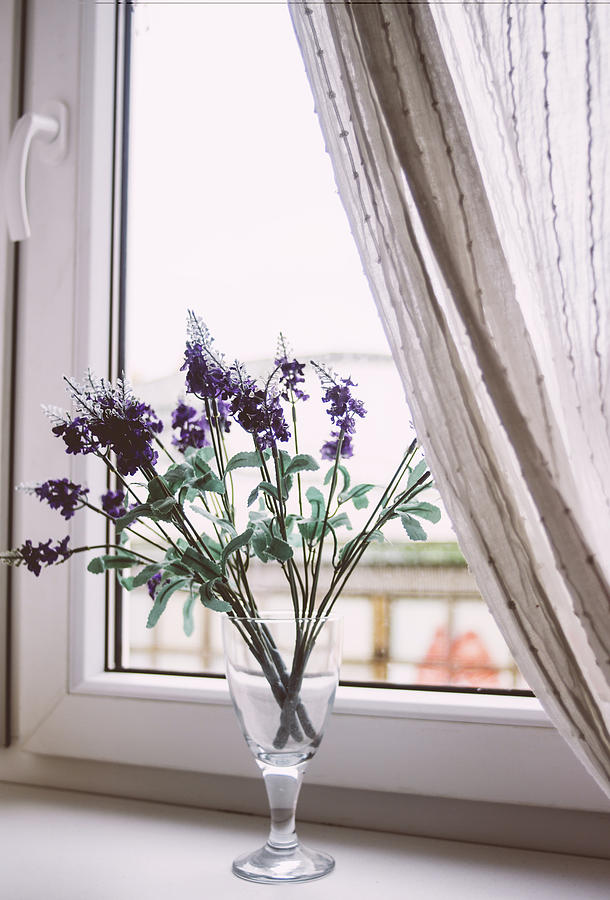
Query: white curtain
[{"x": 470, "y": 147}]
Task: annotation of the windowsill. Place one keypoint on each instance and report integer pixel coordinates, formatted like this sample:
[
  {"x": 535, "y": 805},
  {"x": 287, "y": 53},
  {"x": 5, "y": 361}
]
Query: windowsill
[{"x": 66, "y": 846}]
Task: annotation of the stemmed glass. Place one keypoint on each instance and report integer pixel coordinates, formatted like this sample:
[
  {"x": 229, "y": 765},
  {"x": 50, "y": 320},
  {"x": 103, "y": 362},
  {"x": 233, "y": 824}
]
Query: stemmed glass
[{"x": 283, "y": 673}]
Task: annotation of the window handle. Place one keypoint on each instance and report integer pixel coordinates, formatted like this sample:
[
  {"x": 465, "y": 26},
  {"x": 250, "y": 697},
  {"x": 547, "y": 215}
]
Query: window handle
[{"x": 49, "y": 126}]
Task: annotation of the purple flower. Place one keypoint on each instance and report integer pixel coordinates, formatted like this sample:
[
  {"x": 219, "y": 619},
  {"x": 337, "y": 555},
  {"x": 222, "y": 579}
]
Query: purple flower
[
  {"x": 292, "y": 375},
  {"x": 193, "y": 430},
  {"x": 205, "y": 377},
  {"x": 343, "y": 407},
  {"x": 260, "y": 414},
  {"x": 61, "y": 494},
  {"x": 152, "y": 584},
  {"x": 113, "y": 503},
  {"x": 127, "y": 429},
  {"x": 77, "y": 436},
  {"x": 43, "y": 554},
  {"x": 110, "y": 418},
  {"x": 329, "y": 449}
]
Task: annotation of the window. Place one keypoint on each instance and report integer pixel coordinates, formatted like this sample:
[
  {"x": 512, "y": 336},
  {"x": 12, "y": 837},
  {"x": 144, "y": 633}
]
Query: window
[
  {"x": 66, "y": 703},
  {"x": 249, "y": 232}
]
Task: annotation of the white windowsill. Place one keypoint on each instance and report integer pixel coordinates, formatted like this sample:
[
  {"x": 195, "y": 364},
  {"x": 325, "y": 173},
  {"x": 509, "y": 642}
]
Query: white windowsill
[
  {"x": 358, "y": 701},
  {"x": 67, "y": 846}
]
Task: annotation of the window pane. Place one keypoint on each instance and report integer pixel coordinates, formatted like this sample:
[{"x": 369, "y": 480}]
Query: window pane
[{"x": 233, "y": 212}]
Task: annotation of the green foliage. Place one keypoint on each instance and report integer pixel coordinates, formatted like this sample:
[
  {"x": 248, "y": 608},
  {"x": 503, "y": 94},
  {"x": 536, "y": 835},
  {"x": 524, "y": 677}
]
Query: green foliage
[
  {"x": 122, "y": 560},
  {"x": 242, "y": 540},
  {"x": 159, "y": 511},
  {"x": 357, "y": 495},
  {"x": 245, "y": 459},
  {"x": 301, "y": 463},
  {"x": 188, "y": 624},
  {"x": 422, "y": 509},
  {"x": 210, "y": 599},
  {"x": 164, "y": 592},
  {"x": 413, "y": 528}
]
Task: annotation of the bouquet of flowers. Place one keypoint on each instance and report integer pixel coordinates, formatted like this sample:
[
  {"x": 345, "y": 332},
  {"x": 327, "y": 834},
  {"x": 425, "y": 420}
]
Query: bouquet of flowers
[{"x": 156, "y": 510}]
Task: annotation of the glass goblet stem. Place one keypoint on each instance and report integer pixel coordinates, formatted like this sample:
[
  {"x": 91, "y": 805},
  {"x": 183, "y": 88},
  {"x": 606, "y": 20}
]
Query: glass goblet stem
[{"x": 283, "y": 784}]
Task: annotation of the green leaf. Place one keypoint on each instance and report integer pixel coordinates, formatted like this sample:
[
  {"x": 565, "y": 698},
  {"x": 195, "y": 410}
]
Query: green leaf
[
  {"x": 310, "y": 529},
  {"x": 301, "y": 463},
  {"x": 198, "y": 563},
  {"x": 269, "y": 488},
  {"x": 357, "y": 495},
  {"x": 210, "y": 600},
  {"x": 188, "y": 624},
  {"x": 121, "y": 560},
  {"x": 259, "y": 545},
  {"x": 177, "y": 476},
  {"x": 146, "y": 573},
  {"x": 131, "y": 515},
  {"x": 340, "y": 519},
  {"x": 252, "y": 496},
  {"x": 197, "y": 457},
  {"x": 159, "y": 511},
  {"x": 208, "y": 482},
  {"x": 97, "y": 565},
  {"x": 413, "y": 528},
  {"x": 244, "y": 460},
  {"x": 423, "y": 510},
  {"x": 240, "y": 541},
  {"x": 316, "y": 499},
  {"x": 156, "y": 490},
  {"x": 416, "y": 473},
  {"x": 340, "y": 468},
  {"x": 279, "y": 549},
  {"x": 164, "y": 592}
]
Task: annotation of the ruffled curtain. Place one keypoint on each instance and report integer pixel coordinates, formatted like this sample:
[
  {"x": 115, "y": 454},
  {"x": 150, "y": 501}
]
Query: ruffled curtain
[{"x": 469, "y": 142}]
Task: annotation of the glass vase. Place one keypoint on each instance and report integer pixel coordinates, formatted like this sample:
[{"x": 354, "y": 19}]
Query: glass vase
[{"x": 282, "y": 673}]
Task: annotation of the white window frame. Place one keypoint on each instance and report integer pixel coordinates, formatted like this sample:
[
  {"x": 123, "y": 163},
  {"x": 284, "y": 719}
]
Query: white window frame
[{"x": 439, "y": 744}]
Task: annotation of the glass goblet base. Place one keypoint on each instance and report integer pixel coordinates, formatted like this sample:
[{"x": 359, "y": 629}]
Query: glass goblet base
[{"x": 272, "y": 865}]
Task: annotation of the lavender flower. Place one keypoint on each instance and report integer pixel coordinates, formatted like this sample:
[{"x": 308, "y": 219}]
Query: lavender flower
[
  {"x": 152, "y": 585},
  {"x": 342, "y": 411},
  {"x": 193, "y": 431},
  {"x": 329, "y": 449},
  {"x": 207, "y": 375},
  {"x": 44, "y": 554},
  {"x": 62, "y": 494},
  {"x": 77, "y": 435},
  {"x": 259, "y": 412},
  {"x": 110, "y": 418},
  {"x": 291, "y": 372},
  {"x": 113, "y": 503},
  {"x": 292, "y": 375}
]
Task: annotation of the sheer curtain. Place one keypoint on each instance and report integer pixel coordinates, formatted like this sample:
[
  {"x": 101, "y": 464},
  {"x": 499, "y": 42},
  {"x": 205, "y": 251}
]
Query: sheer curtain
[{"x": 469, "y": 142}]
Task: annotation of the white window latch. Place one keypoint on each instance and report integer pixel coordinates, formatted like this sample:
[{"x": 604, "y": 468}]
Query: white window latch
[{"x": 50, "y": 126}]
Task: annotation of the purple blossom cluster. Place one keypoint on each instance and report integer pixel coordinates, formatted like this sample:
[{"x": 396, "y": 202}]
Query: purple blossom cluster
[
  {"x": 117, "y": 422},
  {"x": 259, "y": 413},
  {"x": 291, "y": 376},
  {"x": 43, "y": 554},
  {"x": 205, "y": 378},
  {"x": 113, "y": 503},
  {"x": 329, "y": 449},
  {"x": 193, "y": 430},
  {"x": 62, "y": 494},
  {"x": 152, "y": 585},
  {"x": 343, "y": 408}
]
